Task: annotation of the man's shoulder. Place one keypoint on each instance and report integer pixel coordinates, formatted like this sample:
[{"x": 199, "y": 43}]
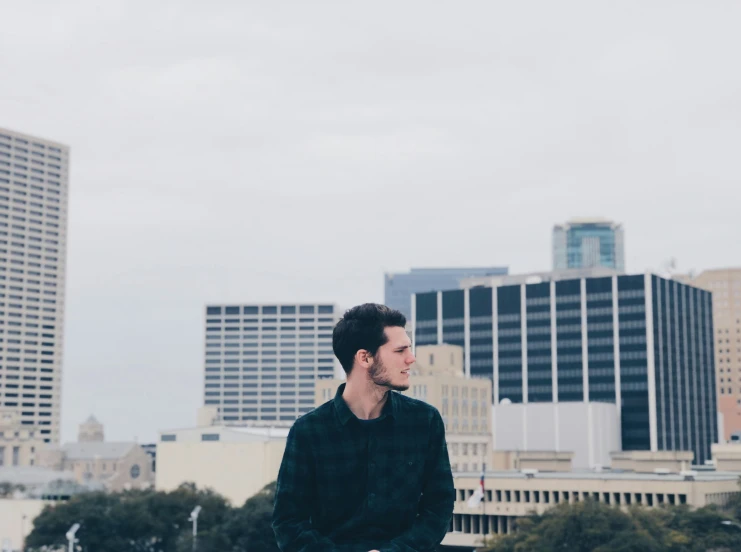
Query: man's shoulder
[
  {"x": 314, "y": 418},
  {"x": 416, "y": 407}
]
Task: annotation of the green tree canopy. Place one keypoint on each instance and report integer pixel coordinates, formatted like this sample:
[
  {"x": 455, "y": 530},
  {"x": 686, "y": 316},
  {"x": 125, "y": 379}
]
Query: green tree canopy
[
  {"x": 155, "y": 521},
  {"x": 596, "y": 527}
]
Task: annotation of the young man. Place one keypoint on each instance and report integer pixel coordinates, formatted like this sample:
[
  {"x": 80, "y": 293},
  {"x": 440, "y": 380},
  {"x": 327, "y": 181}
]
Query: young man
[{"x": 368, "y": 470}]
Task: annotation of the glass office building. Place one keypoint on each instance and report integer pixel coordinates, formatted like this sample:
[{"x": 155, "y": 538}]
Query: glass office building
[
  {"x": 588, "y": 243},
  {"x": 399, "y": 287},
  {"x": 261, "y": 361},
  {"x": 641, "y": 342}
]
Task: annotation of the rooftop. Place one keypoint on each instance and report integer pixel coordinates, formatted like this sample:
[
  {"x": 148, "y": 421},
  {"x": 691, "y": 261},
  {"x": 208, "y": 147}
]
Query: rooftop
[
  {"x": 608, "y": 475},
  {"x": 93, "y": 450}
]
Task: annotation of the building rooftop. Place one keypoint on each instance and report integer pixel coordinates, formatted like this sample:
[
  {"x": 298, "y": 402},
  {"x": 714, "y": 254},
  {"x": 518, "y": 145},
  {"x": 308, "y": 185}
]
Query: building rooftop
[
  {"x": 230, "y": 433},
  {"x": 603, "y": 475},
  {"x": 93, "y": 450}
]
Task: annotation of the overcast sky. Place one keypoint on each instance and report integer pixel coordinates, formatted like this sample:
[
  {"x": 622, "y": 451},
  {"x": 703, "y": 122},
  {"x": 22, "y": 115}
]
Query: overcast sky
[{"x": 295, "y": 151}]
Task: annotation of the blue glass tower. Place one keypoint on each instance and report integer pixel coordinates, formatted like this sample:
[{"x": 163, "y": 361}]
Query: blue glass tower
[{"x": 588, "y": 244}]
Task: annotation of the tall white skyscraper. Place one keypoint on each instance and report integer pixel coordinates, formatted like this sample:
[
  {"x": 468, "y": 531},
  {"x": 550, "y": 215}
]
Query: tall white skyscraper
[
  {"x": 262, "y": 361},
  {"x": 33, "y": 247}
]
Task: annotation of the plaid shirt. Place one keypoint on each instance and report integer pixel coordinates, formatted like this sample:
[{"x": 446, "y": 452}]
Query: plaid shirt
[{"x": 350, "y": 485}]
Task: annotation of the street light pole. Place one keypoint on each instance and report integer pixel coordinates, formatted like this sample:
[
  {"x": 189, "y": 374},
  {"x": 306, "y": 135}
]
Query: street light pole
[
  {"x": 23, "y": 532},
  {"x": 730, "y": 523},
  {"x": 194, "y": 518},
  {"x": 71, "y": 536}
]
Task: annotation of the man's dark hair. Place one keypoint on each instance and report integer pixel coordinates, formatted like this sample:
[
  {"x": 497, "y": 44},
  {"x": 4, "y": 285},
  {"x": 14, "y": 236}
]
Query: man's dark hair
[{"x": 362, "y": 328}]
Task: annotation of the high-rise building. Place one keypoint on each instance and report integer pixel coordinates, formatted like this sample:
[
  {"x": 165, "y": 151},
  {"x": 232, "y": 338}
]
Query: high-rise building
[
  {"x": 641, "y": 342},
  {"x": 588, "y": 243},
  {"x": 725, "y": 284},
  {"x": 400, "y": 286},
  {"x": 33, "y": 247},
  {"x": 261, "y": 361}
]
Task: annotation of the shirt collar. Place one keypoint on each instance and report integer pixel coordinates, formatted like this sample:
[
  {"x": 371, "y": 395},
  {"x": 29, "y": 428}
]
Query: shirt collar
[{"x": 345, "y": 414}]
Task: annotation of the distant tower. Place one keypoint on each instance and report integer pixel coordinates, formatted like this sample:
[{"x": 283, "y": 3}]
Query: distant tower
[{"x": 91, "y": 431}]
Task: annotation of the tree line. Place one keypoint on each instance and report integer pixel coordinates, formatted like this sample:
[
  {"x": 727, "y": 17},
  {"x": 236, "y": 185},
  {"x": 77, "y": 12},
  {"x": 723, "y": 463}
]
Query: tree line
[{"x": 157, "y": 521}]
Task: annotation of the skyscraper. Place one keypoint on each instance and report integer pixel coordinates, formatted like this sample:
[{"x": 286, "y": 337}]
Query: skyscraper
[
  {"x": 33, "y": 248},
  {"x": 725, "y": 284},
  {"x": 641, "y": 342},
  {"x": 261, "y": 361},
  {"x": 588, "y": 243},
  {"x": 400, "y": 286}
]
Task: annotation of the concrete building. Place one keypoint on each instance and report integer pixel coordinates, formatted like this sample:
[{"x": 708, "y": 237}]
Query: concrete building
[
  {"x": 400, "y": 286},
  {"x": 727, "y": 456},
  {"x": 236, "y": 462},
  {"x": 261, "y": 361},
  {"x": 116, "y": 465},
  {"x": 464, "y": 403},
  {"x": 16, "y": 520},
  {"x": 511, "y": 495},
  {"x": 725, "y": 284},
  {"x": 646, "y": 461},
  {"x": 541, "y": 460},
  {"x": 641, "y": 343},
  {"x": 18, "y": 442},
  {"x": 33, "y": 250},
  {"x": 586, "y": 243},
  {"x": 589, "y": 431}
]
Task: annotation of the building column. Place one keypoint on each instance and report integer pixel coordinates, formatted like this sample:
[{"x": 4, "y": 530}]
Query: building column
[
  {"x": 439, "y": 317},
  {"x": 648, "y": 294}
]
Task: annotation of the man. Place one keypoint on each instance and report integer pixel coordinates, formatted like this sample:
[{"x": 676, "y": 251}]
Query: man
[{"x": 368, "y": 470}]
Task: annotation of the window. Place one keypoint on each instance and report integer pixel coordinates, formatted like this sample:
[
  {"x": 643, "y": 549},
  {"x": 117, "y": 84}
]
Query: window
[
  {"x": 210, "y": 437},
  {"x": 168, "y": 437}
]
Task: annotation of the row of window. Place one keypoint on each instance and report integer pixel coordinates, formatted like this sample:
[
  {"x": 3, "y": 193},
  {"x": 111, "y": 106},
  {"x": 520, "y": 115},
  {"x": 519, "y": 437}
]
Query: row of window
[{"x": 270, "y": 309}]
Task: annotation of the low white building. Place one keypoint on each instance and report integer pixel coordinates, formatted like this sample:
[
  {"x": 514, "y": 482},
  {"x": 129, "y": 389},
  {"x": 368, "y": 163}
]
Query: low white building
[
  {"x": 591, "y": 430},
  {"x": 16, "y": 520},
  {"x": 235, "y": 462}
]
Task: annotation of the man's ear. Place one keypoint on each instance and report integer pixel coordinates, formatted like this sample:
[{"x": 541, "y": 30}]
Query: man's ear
[{"x": 363, "y": 358}]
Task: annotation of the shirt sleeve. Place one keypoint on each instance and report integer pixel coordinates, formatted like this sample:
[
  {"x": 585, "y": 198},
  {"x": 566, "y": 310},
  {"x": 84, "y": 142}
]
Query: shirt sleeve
[
  {"x": 438, "y": 497},
  {"x": 294, "y": 498}
]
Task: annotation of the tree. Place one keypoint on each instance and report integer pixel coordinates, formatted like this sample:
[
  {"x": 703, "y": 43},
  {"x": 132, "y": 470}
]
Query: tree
[
  {"x": 596, "y": 527},
  {"x": 141, "y": 521},
  {"x": 249, "y": 528}
]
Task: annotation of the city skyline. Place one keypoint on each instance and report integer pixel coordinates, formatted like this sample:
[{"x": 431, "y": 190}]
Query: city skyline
[{"x": 236, "y": 154}]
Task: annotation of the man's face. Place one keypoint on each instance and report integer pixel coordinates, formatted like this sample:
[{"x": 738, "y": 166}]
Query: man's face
[{"x": 391, "y": 362}]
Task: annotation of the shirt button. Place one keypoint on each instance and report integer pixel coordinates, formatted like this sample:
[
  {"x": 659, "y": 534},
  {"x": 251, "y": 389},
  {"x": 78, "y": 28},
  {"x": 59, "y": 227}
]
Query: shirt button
[
  {"x": 372, "y": 495},
  {"x": 372, "y": 464}
]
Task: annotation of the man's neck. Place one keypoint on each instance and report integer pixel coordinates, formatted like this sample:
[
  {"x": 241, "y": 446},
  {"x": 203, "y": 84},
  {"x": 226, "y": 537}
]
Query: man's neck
[{"x": 364, "y": 398}]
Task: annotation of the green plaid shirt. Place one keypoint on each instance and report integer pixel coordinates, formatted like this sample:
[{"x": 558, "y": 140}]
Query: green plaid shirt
[{"x": 350, "y": 485}]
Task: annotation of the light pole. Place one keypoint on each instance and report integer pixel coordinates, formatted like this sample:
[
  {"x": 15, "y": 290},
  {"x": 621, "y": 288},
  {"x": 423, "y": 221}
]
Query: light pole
[
  {"x": 729, "y": 523},
  {"x": 71, "y": 536},
  {"x": 194, "y": 518},
  {"x": 23, "y": 532}
]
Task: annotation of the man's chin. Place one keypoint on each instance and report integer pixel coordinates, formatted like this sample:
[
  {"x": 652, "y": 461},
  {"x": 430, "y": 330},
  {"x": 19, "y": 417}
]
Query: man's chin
[{"x": 399, "y": 387}]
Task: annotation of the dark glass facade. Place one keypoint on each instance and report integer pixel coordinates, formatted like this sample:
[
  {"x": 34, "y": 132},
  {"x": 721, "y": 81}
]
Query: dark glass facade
[
  {"x": 509, "y": 343},
  {"x": 643, "y": 342},
  {"x": 481, "y": 345},
  {"x": 600, "y": 340},
  {"x": 539, "y": 356},
  {"x": 633, "y": 363},
  {"x": 686, "y": 404}
]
